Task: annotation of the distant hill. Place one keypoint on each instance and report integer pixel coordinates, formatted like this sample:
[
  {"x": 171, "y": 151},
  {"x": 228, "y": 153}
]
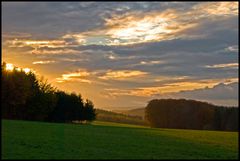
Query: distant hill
[
  {"x": 133, "y": 112},
  {"x": 120, "y": 117}
]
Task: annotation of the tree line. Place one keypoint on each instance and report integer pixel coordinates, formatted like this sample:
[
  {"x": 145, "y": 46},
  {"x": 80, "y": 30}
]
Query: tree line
[
  {"x": 26, "y": 97},
  {"x": 190, "y": 114},
  {"x": 104, "y": 115}
]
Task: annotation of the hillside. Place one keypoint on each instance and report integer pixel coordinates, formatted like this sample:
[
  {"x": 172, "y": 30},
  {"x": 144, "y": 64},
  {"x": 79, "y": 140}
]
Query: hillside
[
  {"x": 133, "y": 112},
  {"x": 103, "y": 140},
  {"x": 105, "y": 115}
]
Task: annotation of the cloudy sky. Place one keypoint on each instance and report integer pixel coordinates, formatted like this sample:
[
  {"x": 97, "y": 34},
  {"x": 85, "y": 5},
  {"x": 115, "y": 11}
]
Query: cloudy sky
[{"x": 122, "y": 54}]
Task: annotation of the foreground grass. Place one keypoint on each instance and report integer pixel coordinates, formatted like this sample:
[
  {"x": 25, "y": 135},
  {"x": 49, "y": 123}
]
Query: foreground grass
[{"x": 103, "y": 140}]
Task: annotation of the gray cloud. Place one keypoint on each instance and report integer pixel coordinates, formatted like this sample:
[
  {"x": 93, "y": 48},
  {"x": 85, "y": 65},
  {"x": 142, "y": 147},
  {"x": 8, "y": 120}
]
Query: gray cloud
[{"x": 220, "y": 92}]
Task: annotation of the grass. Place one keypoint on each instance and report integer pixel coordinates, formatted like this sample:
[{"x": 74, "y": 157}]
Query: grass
[{"x": 104, "y": 140}]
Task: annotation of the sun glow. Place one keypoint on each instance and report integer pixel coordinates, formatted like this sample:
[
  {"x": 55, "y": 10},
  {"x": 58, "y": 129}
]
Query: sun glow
[
  {"x": 9, "y": 67},
  {"x": 26, "y": 70}
]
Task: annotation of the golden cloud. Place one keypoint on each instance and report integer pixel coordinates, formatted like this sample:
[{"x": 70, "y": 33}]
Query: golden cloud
[
  {"x": 43, "y": 62},
  {"x": 79, "y": 76},
  {"x": 57, "y": 51},
  {"x": 172, "y": 78},
  {"x": 217, "y": 8},
  {"x": 229, "y": 65},
  {"x": 122, "y": 74},
  {"x": 137, "y": 27},
  {"x": 36, "y": 43},
  {"x": 169, "y": 88}
]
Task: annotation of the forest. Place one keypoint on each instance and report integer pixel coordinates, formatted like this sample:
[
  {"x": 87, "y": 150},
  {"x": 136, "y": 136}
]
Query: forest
[
  {"x": 26, "y": 97},
  {"x": 190, "y": 114}
]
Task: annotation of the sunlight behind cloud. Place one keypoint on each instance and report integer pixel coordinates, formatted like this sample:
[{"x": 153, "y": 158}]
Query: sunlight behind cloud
[{"x": 134, "y": 28}]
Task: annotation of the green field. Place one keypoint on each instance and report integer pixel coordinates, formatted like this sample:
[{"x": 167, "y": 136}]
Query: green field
[{"x": 103, "y": 140}]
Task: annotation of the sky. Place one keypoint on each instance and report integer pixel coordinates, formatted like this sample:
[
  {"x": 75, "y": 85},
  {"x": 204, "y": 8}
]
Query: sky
[{"x": 121, "y": 55}]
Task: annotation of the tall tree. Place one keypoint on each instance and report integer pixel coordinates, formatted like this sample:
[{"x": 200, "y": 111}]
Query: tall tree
[{"x": 89, "y": 111}]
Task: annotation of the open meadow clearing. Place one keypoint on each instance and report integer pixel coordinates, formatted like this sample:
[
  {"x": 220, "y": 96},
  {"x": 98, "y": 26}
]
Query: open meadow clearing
[{"x": 105, "y": 140}]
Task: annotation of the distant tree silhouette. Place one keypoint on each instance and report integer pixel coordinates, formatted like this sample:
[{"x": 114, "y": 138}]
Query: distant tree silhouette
[{"x": 190, "y": 114}]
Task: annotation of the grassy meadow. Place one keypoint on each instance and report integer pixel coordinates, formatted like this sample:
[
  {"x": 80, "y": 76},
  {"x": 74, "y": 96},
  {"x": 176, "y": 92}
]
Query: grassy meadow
[{"x": 105, "y": 140}]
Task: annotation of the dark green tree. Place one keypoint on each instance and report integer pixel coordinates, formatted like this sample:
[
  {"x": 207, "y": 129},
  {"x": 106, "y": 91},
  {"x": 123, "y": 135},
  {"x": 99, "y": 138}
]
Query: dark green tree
[{"x": 89, "y": 111}]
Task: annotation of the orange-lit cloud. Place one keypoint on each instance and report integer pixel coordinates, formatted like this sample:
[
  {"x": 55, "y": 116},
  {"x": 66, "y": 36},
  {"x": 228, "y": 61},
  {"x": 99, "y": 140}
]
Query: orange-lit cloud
[
  {"x": 58, "y": 51},
  {"x": 80, "y": 76},
  {"x": 173, "y": 78},
  {"x": 169, "y": 88},
  {"x": 229, "y": 65},
  {"x": 100, "y": 77},
  {"x": 58, "y": 46},
  {"x": 36, "y": 43},
  {"x": 43, "y": 62},
  {"x": 217, "y": 8},
  {"x": 123, "y": 75},
  {"x": 154, "y": 26}
]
